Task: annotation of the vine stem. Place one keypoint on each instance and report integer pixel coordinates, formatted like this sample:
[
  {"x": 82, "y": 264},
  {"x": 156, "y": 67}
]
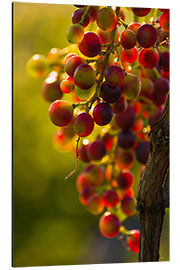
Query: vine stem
[
  {"x": 123, "y": 23},
  {"x": 84, "y": 15},
  {"x": 154, "y": 16},
  {"x": 77, "y": 159}
]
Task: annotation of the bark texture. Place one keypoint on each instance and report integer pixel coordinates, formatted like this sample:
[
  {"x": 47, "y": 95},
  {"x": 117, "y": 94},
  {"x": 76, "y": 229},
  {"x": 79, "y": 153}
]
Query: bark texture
[{"x": 153, "y": 190}]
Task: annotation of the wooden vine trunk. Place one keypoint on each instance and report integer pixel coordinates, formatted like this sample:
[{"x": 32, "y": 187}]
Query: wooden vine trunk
[{"x": 153, "y": 190}]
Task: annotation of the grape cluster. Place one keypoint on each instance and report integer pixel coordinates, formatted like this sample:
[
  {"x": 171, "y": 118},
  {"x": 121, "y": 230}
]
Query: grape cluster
[{"x": 110, "y": 85}]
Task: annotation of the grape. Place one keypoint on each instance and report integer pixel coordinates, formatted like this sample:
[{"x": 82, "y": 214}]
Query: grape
[
  {"x": 83, "y": 153},
  {"x": 126, "y": 139},
  {"x": 124, "y": 159},
  {"x": 102, "y": 114},
  {"x": 110, "y": 198},
  {"x": 61, "y": 113},
  {"x": 97, "y": 174},
  {"x": 92, "y": 176},
  {"x": 159, "y": 100},
  {"x": 110, "y": 94},
  {"x": 50, "y": 89},
  {"x": 84, "y": 95},
  {"x": 68, "y": 56},
  {"x": 80, "y": 6},
  {"x": 103, "y": 35},
  {"x": 83, "y": 124},
  {"x": 67, "y": 85},
  {"x": 164, "y": 61},
  {"x": 76, "y": 17},
  {"x": 142, "y": 152},
  {"x": 93, "y": 11},
  {"x": 72, "y": 63},
  {"x": 114, "y": 76},
  {"x": 161, "y": 87},
  {"x": 54, "y": 56},
  {"x": 138, "y": 125},
  {"x": 154, "y": 117},
  {"x": 133, "y": 240},
  {"x": 148, "y": 58},
  {"x": 125, "y": 180},
  {"x": 131, "y": 86},
  {"x": 130, "y": 55},
  {"x": 147, "y": 87},
  {"x": 126, "y": 119},
  {"x": 90, "y": 45},
  {"x": 95, "y": 204},
  {"x": 75, "y": 33},
  {"x": 146, "y": 35},
  {"x": 164, "y": 21},
  {"x": 37, "y": 66},
  {"x": 108, "y": 141},
  {"x": 84, "y": 76},
  {"x": 149, "y": 73},
  {"x": 106, "y": 19},
  {"x": 134, "y": 26},
  {"x": 165, "y": 74},
  {"x": 128, "y": 39},
  {"x": 120, "y": 106},
  {"x": 109, "y": 225},
  {"x": 86, "y": 193},
  {"x": 128, "y": 205},
  {"x": 96, "y": 150},
  {"x": 82, "y": 181},
  {"x": 137, "y": 108},
  {"x": 141, "y": 12},
  {"x": 62, "y": 139}
]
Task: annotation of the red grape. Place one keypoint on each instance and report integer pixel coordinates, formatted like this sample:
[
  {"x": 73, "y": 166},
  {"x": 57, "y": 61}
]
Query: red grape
[
  {"x": 106, "y": 19},
  {"x": 146, "y": 35},
  {"x": 125, "y": 180},
  {"x": 83, "y": 124},
  {"x": 110, "y": 94},
  {"x": 126, "y": 119},
  {"x": 84, "y": 76},
  {"x": 142, "y": 152},
  {"x": 96, "y": 150},
  {"x": 90, "y": 45},
  {"x": 130, "y": 55},
  {"x": 128, "y": 39},
  {"x": 102, "y": 114},
  {"x": 72, "y": 63},
  {"x": 141, "y": 12},
  {"x": 120, "y": 106},
  {"x": 114, "y": 76},
  {"x": 76, "y": 17},
  {"x": 75, "y": 33},
  {"x": 61, "y": 113},
  {"x": 126, "y": 139},
  {"x": 110, "y": 198},
  {"x": 148, "y": 58},
  {"x": 109, "y": 225},
  {"x": 133, "y": 241}
]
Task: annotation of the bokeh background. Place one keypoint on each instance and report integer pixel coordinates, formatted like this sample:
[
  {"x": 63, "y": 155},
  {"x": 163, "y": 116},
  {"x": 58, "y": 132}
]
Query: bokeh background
[{"x": 50, "y": 226}]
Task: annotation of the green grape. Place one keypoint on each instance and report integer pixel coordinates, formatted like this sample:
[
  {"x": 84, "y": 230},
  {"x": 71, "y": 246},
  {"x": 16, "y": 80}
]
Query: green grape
[
  {"x": 37, "y": 66},
  {"x": 84, "y": 95}
]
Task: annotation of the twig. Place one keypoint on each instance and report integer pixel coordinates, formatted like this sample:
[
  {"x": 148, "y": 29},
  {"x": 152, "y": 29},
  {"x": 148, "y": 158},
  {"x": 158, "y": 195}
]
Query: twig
[{"x": 77, "y": 159}]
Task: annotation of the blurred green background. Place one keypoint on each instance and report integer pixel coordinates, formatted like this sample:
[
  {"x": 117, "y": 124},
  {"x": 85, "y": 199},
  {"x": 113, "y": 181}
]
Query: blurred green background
[{"x": 50, "y": 226}]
